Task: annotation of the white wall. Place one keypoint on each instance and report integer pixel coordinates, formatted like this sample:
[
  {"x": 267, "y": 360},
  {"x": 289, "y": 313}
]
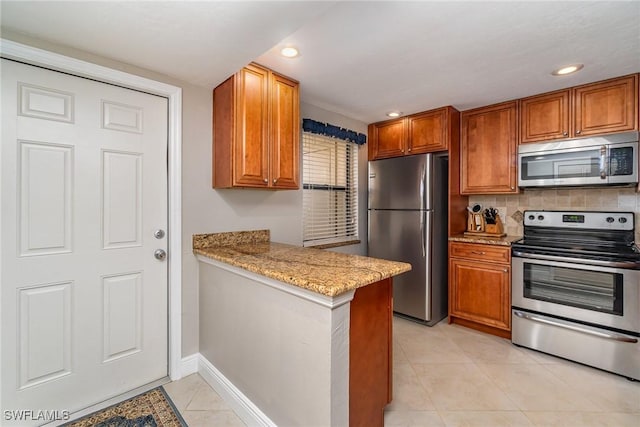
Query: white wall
[{"x": 205, "y": 210}]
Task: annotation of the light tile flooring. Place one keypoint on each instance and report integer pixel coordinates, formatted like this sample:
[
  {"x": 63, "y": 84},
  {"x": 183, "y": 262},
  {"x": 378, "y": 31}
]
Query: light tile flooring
[{"x": 449, "y": 375}]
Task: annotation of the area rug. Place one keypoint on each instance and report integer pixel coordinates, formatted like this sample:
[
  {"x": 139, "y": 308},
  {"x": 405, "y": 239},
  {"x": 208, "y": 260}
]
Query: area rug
[{"x": 151, "y": 409}]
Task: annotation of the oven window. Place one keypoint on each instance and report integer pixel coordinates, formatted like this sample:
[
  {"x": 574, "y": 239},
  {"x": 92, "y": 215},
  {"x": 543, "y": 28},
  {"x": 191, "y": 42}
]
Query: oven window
[{"x": 593, "y": 290}]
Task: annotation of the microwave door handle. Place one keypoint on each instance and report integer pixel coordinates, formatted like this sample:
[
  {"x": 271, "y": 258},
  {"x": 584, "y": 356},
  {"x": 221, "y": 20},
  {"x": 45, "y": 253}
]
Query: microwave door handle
[{"x": 603, "y": 162}]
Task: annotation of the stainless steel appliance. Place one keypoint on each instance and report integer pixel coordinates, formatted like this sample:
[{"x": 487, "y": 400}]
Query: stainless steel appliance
[
  {"x": 576, "y": 288},
  {"x": 408, "y": 222},
  {"x": 601, "y": 160}
]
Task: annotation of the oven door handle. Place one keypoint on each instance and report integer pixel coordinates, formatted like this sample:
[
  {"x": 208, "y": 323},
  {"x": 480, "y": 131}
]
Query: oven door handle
[
  {"x": 585, "y": 330},
  {"x": 626, "y": 265}
]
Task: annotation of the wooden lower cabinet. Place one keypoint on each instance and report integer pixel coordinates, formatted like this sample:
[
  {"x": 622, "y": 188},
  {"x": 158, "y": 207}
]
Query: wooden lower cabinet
[
  {"x": 480, "y": 287},
  {"x": 370, "y": 354}
]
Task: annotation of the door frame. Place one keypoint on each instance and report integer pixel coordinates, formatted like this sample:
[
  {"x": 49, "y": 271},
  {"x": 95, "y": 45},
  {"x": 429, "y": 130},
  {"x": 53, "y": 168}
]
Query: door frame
[{"x": 57, "y": 62}]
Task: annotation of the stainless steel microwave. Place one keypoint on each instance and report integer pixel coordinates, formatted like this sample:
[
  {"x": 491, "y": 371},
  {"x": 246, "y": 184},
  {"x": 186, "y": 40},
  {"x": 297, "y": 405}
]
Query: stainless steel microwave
[{"x": 600, "y": 160}]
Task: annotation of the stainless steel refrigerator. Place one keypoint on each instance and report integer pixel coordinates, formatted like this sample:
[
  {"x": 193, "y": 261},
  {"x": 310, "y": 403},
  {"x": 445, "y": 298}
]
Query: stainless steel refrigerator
[{"x": 408, "y": 222}]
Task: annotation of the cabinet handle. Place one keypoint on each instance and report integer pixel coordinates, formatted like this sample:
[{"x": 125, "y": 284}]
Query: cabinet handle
[
  {"x": 565, "y": 133},
  {"x": 478, "y": 252},
  {"x": 578, "y": 132}
]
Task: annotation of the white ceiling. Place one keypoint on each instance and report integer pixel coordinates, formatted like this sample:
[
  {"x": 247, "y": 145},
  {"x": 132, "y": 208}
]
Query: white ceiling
[{"x": 361, "y": 58}]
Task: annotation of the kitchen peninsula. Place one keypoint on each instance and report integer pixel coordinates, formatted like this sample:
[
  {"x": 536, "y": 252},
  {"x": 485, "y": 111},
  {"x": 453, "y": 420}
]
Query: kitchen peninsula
[{"x": 302, "y": 336}]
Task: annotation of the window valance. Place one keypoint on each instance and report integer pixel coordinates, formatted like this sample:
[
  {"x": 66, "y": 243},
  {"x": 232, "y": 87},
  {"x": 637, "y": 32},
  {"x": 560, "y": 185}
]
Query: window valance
[{"x": 327, "y": 129}]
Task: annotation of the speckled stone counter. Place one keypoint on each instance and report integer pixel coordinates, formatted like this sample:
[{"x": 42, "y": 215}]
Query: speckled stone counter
[
  {"x": 325, "y": 272},
  {"x": 498, "y": 241}
]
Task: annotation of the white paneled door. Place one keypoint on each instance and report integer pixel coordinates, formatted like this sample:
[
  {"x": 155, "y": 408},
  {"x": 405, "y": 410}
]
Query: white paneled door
[{"x": 84, "y": 193}]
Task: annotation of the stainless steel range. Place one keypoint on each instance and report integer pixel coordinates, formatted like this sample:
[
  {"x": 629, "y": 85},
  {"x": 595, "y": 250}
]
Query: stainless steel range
[{"x": 575, "y": 288}]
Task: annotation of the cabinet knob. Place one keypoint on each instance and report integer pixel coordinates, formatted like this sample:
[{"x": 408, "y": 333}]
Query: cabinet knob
[
  {"x": 578, "y": 132},
  {"x": 513, "y": 188},
  {"x": 409, "y": 150},
  {"x": 505, "y": 270},
  {"x": 275, "y": 180},
  {"x": 565, "y": 133},
  {"x": 266, "y": 181}
]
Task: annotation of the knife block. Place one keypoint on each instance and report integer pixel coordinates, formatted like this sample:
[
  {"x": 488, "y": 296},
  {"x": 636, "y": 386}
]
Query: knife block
[{"x": 496, "y": 228}]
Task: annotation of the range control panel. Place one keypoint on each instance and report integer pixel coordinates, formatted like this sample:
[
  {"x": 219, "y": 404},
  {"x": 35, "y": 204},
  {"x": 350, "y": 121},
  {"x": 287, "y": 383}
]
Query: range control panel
[{"x": 572, "y": 219}]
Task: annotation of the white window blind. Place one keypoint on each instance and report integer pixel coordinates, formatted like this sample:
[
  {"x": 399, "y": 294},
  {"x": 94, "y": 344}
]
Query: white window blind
[{"x": 330, "y": 190}]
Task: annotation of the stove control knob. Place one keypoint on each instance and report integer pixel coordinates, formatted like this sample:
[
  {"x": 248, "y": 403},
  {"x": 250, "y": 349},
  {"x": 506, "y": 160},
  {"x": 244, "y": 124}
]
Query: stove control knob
[
  {"x": 531, "y": 217},
  {"x": 610, "y": 219},
  {"x": 622, "y": 219},
  {"x": 540, "y": 217}
]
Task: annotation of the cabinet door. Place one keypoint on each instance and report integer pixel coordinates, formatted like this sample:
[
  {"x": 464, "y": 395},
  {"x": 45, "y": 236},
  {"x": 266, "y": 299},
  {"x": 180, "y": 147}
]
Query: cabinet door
[
  {"x": 387, "y": 139},
  {"x": 488, "y": 150},
  {"x": 251, "y": 154},
  {"x": 428, "y": 132},
  {"x": 545, "y": 117},
  {"x": 285, "y": 133},
  {"x": 481, "y": 292},
  {"x": 610, "y": 106}
]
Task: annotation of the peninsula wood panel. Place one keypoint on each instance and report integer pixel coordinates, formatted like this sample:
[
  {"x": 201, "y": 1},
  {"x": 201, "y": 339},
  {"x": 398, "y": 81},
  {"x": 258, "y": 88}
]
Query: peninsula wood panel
[
  {"x": 488, "y": 149},
  {"x": 370, "y": 354}
]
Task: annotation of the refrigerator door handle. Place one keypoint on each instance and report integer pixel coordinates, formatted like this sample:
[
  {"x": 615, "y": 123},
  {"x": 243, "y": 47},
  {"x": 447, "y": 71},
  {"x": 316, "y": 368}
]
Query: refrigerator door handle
[
  {"x": 422, "y": 187},
  {"x": 422, "y": 235}
]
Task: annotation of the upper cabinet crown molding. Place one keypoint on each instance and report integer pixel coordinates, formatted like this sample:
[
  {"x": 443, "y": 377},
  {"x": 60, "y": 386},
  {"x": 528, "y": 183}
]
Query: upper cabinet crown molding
[
  {"x": 425, "y": 132},
  {"x": 256, "y": 130},
  {"x": 597, "y": 108}
]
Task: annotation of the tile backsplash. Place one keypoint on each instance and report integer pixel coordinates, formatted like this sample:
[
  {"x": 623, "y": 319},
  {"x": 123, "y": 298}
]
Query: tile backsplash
[{"x": 589, "y": 199}]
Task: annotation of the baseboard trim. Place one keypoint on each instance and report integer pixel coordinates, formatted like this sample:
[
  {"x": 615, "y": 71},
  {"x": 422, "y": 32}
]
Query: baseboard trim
[
  {"x": 189, "y": 365},
  {"x": 243, "y": 407}
]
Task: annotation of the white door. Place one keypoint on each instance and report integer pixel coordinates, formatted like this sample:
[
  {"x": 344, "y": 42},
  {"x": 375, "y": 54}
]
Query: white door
[{"x": 84, "y": 188}]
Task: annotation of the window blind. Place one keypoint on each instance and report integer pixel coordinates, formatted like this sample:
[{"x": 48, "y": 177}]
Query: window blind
[{"x": 330, "y": 190}]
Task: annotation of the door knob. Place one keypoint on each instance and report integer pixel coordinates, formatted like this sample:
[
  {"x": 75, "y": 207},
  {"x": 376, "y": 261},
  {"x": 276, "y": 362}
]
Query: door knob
[{"x": 160, "y": 254}]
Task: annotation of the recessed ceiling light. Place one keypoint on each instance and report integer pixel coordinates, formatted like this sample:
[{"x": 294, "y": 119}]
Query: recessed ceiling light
[
  {"x": 394, "y": 113},
  {"x": 567, "y": 70},
  {"x": 289, "y": 52}
]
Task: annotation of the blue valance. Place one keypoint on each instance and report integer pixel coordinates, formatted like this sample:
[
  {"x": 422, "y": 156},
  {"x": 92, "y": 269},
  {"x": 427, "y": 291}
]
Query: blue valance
[{"x": 327, "y": 129}]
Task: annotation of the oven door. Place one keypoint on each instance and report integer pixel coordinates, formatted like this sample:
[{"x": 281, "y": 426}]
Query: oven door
[{"x": 601, "y": 296}]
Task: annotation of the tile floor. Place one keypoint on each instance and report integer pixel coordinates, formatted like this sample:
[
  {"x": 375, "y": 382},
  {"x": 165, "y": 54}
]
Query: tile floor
[{"x": 448, "y": 375}]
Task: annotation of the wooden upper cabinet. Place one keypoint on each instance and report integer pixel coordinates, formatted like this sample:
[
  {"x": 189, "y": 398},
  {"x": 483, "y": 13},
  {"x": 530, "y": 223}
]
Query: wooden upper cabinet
[
  {"x": 425, "y": 132},
  {"x": 488, "y": 150},
  {"x": 387, "y": 139},
  {"x": 608, "y": 106},
  {"x": 545, "y": 117},
  {"x": 256, "y": 131},
  {"x": 428, "y": 132},
  {"x": 598, "y": 108},
  {"x": 285, "y": 133}
]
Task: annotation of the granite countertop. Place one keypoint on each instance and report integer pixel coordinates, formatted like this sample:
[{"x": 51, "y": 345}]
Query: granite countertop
[
  {"x": 325, "y": 272},
  {"x": 487, "y": 240}
]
